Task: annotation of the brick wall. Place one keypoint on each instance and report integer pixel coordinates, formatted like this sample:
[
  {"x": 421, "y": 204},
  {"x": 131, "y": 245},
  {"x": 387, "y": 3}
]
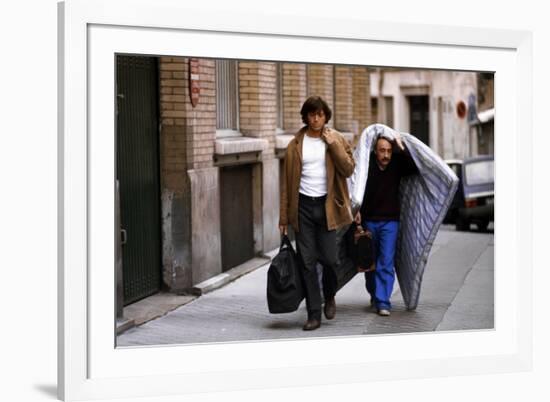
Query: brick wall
[
  {"x": 320, "y": 82},
  {"x": 172, "y": 140},
  {"x": 201, "y": 120},
  {"x": 188, "y": 132},
  {"x": 186, "y": 142},
  {"x": 362, "y": 112},
  {"x": 294, "y": 95},
  {"x": 343, "y": 94},
  {"x": 258, "y": 102}
]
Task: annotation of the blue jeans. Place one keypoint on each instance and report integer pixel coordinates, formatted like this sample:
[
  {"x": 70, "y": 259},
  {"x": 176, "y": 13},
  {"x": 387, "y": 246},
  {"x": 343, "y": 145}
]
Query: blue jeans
[{"x": 380, "y": 282}]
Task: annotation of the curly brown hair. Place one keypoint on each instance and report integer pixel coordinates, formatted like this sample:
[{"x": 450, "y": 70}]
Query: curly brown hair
[{"x": 314, "y": 104}]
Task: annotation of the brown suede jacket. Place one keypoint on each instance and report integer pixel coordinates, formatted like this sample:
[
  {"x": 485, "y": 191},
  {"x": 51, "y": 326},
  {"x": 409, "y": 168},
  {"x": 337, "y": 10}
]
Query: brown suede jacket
[{"x": 340, "y": 165}]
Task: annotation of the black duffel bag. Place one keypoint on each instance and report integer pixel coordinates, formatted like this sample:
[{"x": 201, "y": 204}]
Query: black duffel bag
[
  {"x": 360, "y": 248},
  {"x": 284, "y": 280}
]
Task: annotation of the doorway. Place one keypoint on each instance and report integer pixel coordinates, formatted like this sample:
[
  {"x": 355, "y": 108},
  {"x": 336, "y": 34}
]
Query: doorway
[
  {"x": 137, "y": 144},
  {"x": 419, "y": 122},
  {"x": 237, "y": 228}
]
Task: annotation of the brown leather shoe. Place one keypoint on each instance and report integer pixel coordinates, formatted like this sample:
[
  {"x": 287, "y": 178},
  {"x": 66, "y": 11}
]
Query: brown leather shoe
[
  {"x": 330, "y": 308},
  {"x": 312, "y": 324}
]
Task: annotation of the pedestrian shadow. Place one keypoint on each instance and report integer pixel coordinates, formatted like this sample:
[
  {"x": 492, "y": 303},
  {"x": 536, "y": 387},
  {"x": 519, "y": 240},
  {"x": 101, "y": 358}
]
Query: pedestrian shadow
[{"x": 281, "y": 325}]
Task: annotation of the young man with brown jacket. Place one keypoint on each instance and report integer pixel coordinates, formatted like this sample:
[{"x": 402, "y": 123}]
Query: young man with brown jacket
[{"x": 315, "y": 201}]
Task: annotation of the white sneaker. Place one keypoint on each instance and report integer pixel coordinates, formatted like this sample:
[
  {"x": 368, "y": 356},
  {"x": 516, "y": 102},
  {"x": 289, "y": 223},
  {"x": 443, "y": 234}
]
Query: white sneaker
[{"x": 384, "y": 313}]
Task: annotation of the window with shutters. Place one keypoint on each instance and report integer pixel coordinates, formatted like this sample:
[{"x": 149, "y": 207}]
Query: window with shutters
[{"x": 227, "y": 98}]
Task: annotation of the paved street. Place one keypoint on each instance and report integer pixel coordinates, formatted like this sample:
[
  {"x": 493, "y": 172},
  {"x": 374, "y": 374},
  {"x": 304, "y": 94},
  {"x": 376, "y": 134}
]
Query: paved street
[{"x": 457, "y": 294}]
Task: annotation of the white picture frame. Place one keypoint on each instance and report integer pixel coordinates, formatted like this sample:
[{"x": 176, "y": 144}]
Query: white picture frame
[{"x": 91, "y": 32}]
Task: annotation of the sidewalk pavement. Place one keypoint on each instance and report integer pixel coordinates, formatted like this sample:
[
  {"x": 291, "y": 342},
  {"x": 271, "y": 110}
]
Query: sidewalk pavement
[{"x": 457, "y": 294}]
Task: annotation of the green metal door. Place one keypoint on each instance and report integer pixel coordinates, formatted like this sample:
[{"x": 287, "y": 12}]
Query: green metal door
[{"x": 138, "y": 174}]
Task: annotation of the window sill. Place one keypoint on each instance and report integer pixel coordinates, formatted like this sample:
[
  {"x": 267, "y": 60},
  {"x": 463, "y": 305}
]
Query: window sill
[
  {"x": 227, "y": 133},
  {"x": 240, "y": 144}
]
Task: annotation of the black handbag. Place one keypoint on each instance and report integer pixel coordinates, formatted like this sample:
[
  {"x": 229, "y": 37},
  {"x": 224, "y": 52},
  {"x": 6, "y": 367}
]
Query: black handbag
[
  {"x": 284, "y": 280},
  {"x": 360, "y": 248}
]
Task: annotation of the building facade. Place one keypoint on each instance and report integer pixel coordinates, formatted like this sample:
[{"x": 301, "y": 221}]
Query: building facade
[
  {"x": 200, "y": 148},
  {"x": 436, "y": 106},
  {"x": 483, "y": 127}
]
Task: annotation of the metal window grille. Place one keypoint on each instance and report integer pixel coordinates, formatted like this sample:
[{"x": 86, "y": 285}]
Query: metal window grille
[{"x": 227, "y": 94}]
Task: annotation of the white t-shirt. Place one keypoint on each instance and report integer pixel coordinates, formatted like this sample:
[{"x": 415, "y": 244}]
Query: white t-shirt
[{"x": 314, "y": 169}]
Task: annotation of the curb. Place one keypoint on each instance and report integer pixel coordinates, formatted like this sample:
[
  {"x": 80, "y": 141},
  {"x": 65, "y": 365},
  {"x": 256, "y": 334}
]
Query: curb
[{"x": 229, "y": 276}]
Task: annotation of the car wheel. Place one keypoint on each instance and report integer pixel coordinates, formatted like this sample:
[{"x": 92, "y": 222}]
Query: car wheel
[
  {"x": 462, "y": 224},
  {"x": 482, "y": 226}
]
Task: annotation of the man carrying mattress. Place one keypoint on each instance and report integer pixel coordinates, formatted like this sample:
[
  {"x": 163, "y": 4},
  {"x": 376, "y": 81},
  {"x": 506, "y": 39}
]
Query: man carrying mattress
[
  {"x": 401, "y": 191},
  {"x": 380, "y": 215}
]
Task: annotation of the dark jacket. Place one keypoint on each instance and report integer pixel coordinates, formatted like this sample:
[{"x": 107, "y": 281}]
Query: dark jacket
[{"x": 381, "y": 200}]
